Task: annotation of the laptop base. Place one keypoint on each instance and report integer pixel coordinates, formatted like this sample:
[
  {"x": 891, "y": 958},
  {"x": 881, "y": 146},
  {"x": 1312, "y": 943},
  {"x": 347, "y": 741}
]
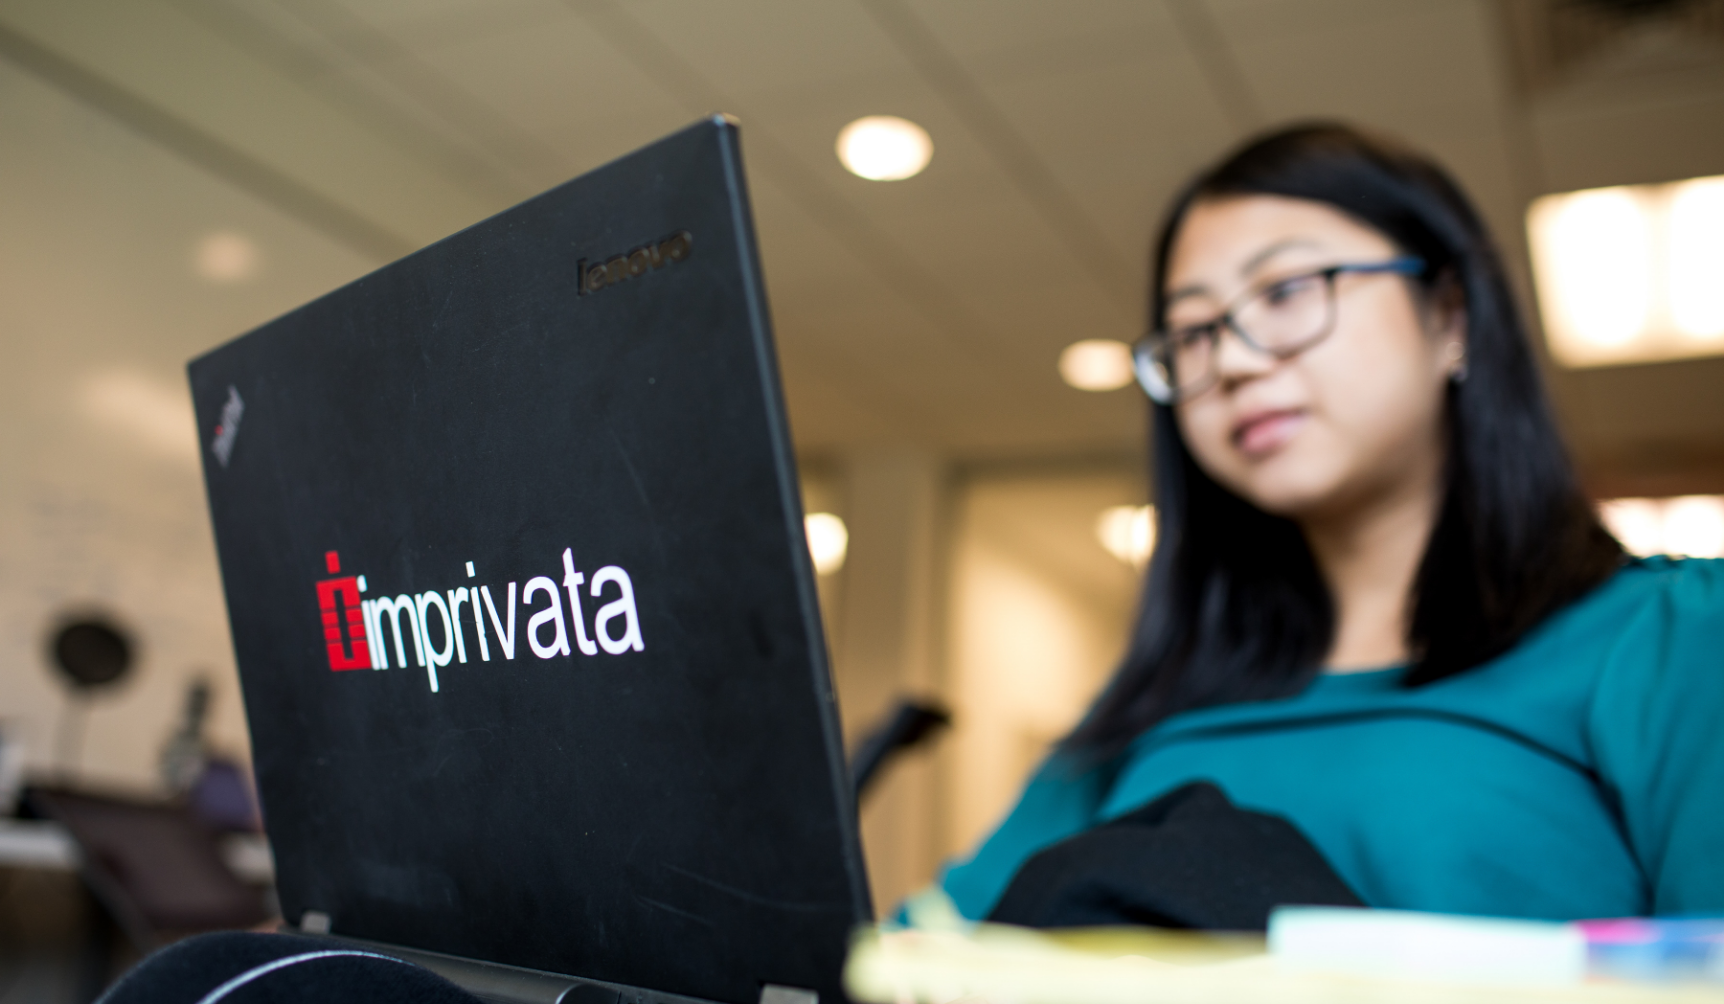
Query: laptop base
[{"x": 492, "y": 981}]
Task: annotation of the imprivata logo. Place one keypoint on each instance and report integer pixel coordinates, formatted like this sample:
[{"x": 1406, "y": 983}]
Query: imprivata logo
[{"x": 357, "y": 632}]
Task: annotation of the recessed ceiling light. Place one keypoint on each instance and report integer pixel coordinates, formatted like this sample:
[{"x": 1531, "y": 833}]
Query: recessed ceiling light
[
  {"x": 884, "y": 148},
  {"x": 1630, "y": 274},
  {"x": 1096, "y": 364},
  {"x": 1697, "y": 258},
  {"x": 828, "y": 541},
  {"x": 1638, "y": 524},
  {"x": 1688, "y": 525},
  {"x": 1694, "y": 526},
  {"x": 225, "y": 256},
  {"x": 1127, "y": 532}
]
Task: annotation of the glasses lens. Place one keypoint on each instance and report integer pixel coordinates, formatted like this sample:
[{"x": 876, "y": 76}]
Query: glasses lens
[
  {"x": 1191, "y": 351},
  {"x": 1174, "y": 364},
  {"x": 1149, "y": 359},
  {"x": 1288, "y": 315}
]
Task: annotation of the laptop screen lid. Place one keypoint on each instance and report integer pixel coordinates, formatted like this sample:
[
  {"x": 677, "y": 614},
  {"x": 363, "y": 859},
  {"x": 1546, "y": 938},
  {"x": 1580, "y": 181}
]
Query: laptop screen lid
[{"x": 525, "y": 623}]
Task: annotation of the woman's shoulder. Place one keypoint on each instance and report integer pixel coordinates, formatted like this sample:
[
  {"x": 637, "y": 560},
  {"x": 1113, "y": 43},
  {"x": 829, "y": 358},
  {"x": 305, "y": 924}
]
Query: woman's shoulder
[
  {"x": 1652, "y": 620},
  {"x": 1664, "y": 571},
  {"x": 1653, "y": 728},
  {"x": 1646, "y": 647},
  {"x": 1696, "y": 583},
  {"x": 1651, "y": 592},
  {"x": 1665, "y": 615}
]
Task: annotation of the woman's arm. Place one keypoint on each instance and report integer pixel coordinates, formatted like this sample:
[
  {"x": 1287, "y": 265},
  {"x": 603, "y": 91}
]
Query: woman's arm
[{"x": 1657, "y": 724}]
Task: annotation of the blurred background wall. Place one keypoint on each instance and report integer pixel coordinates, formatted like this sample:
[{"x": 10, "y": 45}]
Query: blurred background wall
[{"x": 175, "y": 172}]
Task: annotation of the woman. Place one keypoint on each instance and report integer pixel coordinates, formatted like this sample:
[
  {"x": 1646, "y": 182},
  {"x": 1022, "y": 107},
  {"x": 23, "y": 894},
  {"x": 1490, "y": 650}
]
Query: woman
[{"x": 1382, "y": 610}]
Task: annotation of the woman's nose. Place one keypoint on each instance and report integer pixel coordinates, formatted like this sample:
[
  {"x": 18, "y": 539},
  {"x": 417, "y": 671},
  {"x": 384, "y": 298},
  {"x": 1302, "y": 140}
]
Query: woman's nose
[{"x": 1237, "y": 360}]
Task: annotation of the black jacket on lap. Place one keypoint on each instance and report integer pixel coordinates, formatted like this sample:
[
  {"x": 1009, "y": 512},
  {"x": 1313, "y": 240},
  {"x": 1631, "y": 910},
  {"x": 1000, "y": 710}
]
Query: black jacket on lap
[{"x": 1190, "y": 859}]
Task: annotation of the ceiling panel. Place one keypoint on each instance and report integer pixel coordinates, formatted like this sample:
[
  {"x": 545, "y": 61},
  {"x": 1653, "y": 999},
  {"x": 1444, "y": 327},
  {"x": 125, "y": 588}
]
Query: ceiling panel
[
  {"x": 1124, "y": 135},
  {"x": 361, "y": 48},
  {"x": 154, "y": 65},
  {"x": 558, "y": 82},
  {"x": 1017, "y": 32},
  {"x": 1256, "y": 20},
  {"x": 1632, "y": 141},
  {"x": 765, "y": 48},
  {"x": 427, "y": 21},
  {"x": 933, "y": 308},
  {"x": 1418, "y": 56},
  {"x": 284, "y": 41}
]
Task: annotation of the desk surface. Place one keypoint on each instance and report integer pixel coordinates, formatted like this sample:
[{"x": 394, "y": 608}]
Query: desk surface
[
  {"x": 36, "y": 843},
  {"x": 1028, "y": 967}
]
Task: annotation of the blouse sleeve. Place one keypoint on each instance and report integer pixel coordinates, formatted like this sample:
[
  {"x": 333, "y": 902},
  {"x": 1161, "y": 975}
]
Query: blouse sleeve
[
  {"x": 1061, "y": 800},
  {"x": 1657, "y": 725}
]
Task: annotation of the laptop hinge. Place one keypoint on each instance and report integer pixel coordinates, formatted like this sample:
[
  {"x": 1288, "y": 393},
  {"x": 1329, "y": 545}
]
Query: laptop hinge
[
  {"x": 772, "y": 993},
  {"x": 314, "y": 922},
  {"x": 502, "y": 984}
]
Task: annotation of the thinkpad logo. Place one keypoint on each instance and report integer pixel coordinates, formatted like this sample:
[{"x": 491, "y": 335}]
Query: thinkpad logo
[
  {"x": 228, "y": 429},
  {"x": 638, "y": 262}
]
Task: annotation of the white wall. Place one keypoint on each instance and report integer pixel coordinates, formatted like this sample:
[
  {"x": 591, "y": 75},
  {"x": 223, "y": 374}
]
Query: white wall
[
  {"x": 101, "y": 503},
  {"x": 1039, "y": 614}
]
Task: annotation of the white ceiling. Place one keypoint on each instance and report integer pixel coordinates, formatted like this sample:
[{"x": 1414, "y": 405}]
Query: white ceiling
[{"x": 339, "y": 134}]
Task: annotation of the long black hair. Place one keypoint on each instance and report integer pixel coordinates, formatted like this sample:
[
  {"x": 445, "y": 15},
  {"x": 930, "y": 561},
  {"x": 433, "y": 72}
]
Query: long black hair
[{"x": 1234, "y": 607}]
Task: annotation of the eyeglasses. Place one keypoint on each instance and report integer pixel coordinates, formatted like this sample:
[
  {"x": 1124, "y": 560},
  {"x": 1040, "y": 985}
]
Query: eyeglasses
[{"x": 1283, "y": 319}]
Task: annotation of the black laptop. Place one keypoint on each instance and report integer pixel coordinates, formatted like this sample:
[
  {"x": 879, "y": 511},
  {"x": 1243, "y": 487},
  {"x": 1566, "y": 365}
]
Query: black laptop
[{"x": 526, "y": 625}]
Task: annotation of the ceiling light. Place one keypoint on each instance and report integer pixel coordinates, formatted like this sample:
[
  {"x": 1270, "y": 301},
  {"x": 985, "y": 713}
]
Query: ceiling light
[
  {"x": 1128, "y": 533},
  {"x": 1686, "y": 526},
  {"x": 828, "y": 541},
  {"x": 1697, "y": 258},
  {"x": 1694, "y": 526},
  {"x": 1096, "y": 364},
  {"x": 1600, "y": 251},
  {"x": 225, "y": 257},
  {"x": 1637, "y": 523},
  {"x": 884, "y": 148},
  {"x": 1631, "y": 274}
]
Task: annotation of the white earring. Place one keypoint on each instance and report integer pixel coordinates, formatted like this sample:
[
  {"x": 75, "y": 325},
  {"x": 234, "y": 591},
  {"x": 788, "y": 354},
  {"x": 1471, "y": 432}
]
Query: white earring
[{"x": 1457, "y": 354}]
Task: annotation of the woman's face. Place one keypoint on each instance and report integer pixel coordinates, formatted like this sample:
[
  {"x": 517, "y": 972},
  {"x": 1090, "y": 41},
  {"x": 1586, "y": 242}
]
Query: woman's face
[{"x": 1354, "y": 416}]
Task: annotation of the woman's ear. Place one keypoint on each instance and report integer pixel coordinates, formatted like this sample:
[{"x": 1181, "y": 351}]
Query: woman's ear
[
  {"x": 1446, "y": 322},
  {"x": 1455, "y": 357}
]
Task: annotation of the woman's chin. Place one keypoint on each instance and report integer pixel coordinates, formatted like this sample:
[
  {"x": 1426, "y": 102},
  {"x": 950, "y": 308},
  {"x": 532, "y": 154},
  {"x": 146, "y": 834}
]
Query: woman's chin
[{"x": 1291, "y": 493}]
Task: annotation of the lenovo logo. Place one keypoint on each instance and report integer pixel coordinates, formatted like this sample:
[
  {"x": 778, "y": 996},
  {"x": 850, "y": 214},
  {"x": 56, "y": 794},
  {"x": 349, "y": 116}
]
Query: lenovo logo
[
  {"x": 435, "y": 626},
  {"x": 638, "y": 262}
]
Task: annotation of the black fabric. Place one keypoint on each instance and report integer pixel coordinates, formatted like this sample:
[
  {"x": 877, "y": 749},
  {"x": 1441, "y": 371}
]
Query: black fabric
[
  {"x": 1190, "y": 859},
  {"x": 189, "y": 971}
]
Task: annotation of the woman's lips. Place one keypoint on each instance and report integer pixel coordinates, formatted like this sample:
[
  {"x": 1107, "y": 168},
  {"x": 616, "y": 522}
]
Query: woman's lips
[{"x": 1265, "y": 432}]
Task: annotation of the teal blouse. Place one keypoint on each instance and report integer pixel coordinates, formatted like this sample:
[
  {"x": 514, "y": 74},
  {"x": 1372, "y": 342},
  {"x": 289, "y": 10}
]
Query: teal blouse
[{"x": 1581, "y": 774}]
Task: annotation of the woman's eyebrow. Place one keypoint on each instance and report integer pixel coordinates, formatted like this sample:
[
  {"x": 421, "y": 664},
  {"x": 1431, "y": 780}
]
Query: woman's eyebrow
[
  {"x": 1194, "y": 289},
  {"x": 1251, "y": 265},
  {"x": 1256, "y": 261}
]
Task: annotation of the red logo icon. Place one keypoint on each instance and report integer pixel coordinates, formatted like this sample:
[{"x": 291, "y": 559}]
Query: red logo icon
[{"x": 343, "y": 618}]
